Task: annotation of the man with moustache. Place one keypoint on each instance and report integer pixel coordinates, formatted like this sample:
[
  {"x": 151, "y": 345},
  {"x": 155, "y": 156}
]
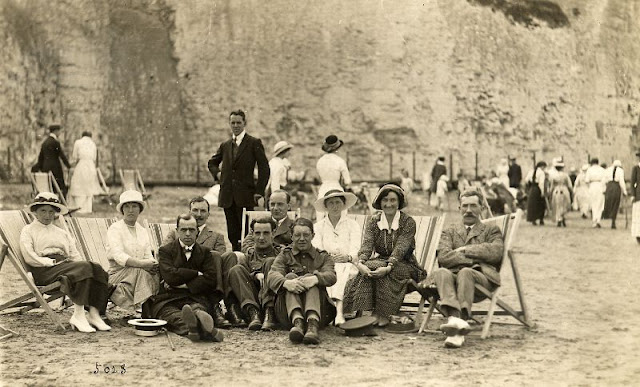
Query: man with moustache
[
  {"x": 279, "y": 205},
  {"x": 468, "y": 253}
]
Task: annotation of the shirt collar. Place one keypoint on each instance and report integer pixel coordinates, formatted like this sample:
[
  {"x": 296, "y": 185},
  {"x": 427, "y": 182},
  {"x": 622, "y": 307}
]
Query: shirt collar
[
  {"x": 383, "y": 224},
  {"x": 183, "y": 245},
  {"x": 313, "y": 252},
  {"x": 279, "y": 222},
  {"x": 202, "y": 228},
  {"x": 239, "y": 137},
  {"x": 53, "y": 135}
]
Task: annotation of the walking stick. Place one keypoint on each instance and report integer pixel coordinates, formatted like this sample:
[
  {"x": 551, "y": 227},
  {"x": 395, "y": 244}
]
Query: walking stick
[{"x": 166, "y": 332}]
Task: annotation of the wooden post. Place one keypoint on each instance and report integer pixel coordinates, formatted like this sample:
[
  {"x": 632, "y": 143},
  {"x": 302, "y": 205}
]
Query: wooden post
[
  {"x": 179, "y": 163},
  {"x": 391, "y": 166},
  {"x": 534, "y": 159},
  {"x": 588, "y": 159},
  {"x": 476, "y": 165},
  {"x": 113, "y": 166},
  {"x": 22, "y": 176},
  {"x": 450, "y": 166},
  {"x": 9, "y": 162},
  {"x": 413, "y": 158},
  {"x": 198, "y": 166}
]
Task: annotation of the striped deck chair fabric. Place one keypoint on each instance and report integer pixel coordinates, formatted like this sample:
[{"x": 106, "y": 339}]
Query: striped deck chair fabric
[
  {"x": 249, "y": 216},
  {"x": 157, "y": 233},
  {"x": 91, "y": 238},
  {"x": 11, "y": 224}
]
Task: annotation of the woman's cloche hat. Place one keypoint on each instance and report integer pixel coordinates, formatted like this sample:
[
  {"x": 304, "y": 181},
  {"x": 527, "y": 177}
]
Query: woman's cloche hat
[
  {"x": 280, "y": 147},
  {"x": 331, "y": 144},
  {"x": 130, "y": 196},
  {"x": 350, "y": 199},
  {"x": 50, "y": 199},
  {"x": 386, "y": 188}
]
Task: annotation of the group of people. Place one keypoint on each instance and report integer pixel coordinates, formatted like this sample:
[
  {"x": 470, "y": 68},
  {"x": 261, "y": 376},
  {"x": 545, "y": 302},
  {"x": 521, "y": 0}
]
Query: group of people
[
  {"x": 596, "y": 189},
  {"x": 286, "y": 272}
]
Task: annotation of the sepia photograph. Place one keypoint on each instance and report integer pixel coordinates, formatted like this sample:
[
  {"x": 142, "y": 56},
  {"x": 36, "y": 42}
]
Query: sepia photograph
[{"x": 319, "y": 193}]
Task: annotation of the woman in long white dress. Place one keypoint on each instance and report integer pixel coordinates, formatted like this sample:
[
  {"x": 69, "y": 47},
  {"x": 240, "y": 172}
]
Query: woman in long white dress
[
  {"x": 332, "y": 169},
  {"x": 84, "y": 180},
  {"x": 340, "y": 237},
  {"x": 581, "y": 193}
]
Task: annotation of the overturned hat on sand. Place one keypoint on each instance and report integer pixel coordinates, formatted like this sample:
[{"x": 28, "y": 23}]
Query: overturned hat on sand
[
  {"x": 359, "y": 326},
  {"x": 280, "y": 147}
]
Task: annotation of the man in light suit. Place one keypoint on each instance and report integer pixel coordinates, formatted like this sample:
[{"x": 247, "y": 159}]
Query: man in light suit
[
  {"x": 238, "y": 189},
  {"x": 468, "y": 253},
  {"x": 51, "y": 154},
  {"x": 213, "y": 241}
]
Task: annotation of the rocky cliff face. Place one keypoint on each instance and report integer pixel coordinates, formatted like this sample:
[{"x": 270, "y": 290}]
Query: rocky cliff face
[{"x": 155, "y": 80}]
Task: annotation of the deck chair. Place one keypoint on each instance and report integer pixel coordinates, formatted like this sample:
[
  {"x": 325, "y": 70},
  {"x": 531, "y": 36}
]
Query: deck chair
[
  {"x": 248, "y": 216},
  {"x": 131, "y": 179},
  {"x": 11, "y": 224},
  {"x": 91, "y": 238},
  {"x": 428, "y": 232},
  {"x": 104, "y": 188},
  {"x": 45, "y": 182},
  {"x": 508, "y": 225},
  {"x": 157, "y": 233}
]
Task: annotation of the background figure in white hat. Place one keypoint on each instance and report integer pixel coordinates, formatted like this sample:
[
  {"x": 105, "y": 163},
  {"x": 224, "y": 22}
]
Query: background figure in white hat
[
  {"x": 340, "y": 237},
  {"x": 279, "y": 166},
  {"x": 84, "y": 181},
  {"x": 614, "y": 187},
  {"x": 581, "y": 193},
  {"x": 332, "y": 169},
  {"x": 502, "y": 172},
  {"x": 593, "y": 177},
  {"x": 133, "y": 271},
  {"x": 561, "y": 191}
]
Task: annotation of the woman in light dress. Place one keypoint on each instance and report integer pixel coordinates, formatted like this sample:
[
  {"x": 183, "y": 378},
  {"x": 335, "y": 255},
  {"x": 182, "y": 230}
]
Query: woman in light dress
[
  {"x": 561, "y": 191},
  {"x": 581, "y": 193},
  {"x": 332, "y": 169},
  {"x": 340, "y": 236},
  {"x": 84, "y": 180}
]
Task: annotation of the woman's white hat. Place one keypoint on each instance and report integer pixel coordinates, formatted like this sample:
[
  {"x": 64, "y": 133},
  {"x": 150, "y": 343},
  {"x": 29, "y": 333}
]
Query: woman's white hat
[
  {"x": 350, "y": 199},
  {"x": 617, "y": 163},
  {"x": 50, "y": 199},
  {"x": 130, "y": 196},
  {"x": 280, "y": 147}
]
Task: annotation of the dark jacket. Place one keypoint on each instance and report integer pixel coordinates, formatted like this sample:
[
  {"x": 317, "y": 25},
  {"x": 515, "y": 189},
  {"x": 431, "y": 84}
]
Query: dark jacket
[
  {"x": 484, "y": 249},
  {"x": 635, "y": 183},
  {"x": 236, "y": 176},
  {"x": 281, "y": 236},
  {"x": 315, "y": 262},
  {"x": 515, "y": 175},
  {"x": 49, "y": 158},
  {"x": 208, "y": 239}
]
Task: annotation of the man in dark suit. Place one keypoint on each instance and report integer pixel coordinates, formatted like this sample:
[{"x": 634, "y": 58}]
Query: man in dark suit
[
  {"x": 238, "y": 189},
  {"x": 190, "y": 284},
  {"x": 213, "y": 241},
  {"x": 468, "y": 253},
  {"x": 279, "y": 205},
  {"x": 514, "y": 173},
  {"x": 635, "y": 197},
  {"x": 51, "y": 154}
]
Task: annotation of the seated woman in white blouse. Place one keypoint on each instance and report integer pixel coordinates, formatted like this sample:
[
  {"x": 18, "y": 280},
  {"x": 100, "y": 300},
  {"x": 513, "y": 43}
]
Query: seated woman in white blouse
[
  {"x": 133, "y": 270},
  {"x": 51, "y": 254},
  {"x": 340, "y": 237}
]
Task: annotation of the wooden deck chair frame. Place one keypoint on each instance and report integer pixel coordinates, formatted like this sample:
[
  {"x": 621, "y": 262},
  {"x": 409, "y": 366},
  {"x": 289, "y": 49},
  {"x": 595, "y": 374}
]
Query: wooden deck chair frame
[
  {"x": 136, "y": 184},
  {"x": 91, "y": 238},
  {"x": 508, "y": 225},
  {"x": 248, "y": 216},
  {"x": 43, "y": 295},
  {"x": 157, "y": 233},
  {"x": 52, "y": 185},
  {"x": 106, "y": 194},
  {"x": 428, "y": 232}
]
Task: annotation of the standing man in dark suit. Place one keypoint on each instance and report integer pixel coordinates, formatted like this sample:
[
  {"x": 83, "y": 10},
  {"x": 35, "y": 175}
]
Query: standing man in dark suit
[
  {"x": 50, "y": 155},
  {"x": 635, "y": 199},
  {"x": 515, "y": 173},
  {"x": 468, "y": 253},
  {"x": 238, "y": 189}
]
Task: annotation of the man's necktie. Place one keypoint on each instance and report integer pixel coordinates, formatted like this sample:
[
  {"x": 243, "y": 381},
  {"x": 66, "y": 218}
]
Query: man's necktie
[
  {"x": 468, "y": 230},
  {"x": 234, "y": 147}
]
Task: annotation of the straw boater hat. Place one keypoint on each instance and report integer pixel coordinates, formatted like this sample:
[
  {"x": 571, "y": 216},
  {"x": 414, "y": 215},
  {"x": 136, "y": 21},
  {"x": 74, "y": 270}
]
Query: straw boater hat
[
  {"x": 557, "y": 162},
  {"x": 280, "y": 147},
  {"x": 350, "y": 199},
  {"x": 386, "y": 188},
  {"x": 50, "y": 199},
  {"x": 331, "y": 144},
  {"x": 130, "y": 196}
]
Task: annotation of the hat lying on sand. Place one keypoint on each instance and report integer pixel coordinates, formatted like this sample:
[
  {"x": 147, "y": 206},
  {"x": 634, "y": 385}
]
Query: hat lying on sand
[
  {"x": 130, "y": 196},
  {"x": 401, "y": 324},
  {"x": 50, "y": 199},
  {"x": 360, "y": 326},
  {"x": 350, "y": 199},
  {"x": 147, "y": 326}
]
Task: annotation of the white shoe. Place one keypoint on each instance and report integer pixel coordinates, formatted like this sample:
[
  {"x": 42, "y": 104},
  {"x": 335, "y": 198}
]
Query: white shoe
[
  {"x": 454, "y": 341},
  {"x": 82, "y": 325},
  {"x": 339, "y": 320},
  {"x": 98, "y": 323},
  {"x": 455, "y": 326}
]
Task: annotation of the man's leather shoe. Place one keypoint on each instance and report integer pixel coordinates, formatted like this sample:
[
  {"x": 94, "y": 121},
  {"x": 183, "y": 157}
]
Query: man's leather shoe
[
  {"x": 190, "y": 319},
  {"x": 455, "y": 326},
  {"x": 218, "y": 318},
  {"x": 312, "y": 337},
  {"x": 296, "y": 333},
  {"x": 454, "y": 341},
  {"x": 208, "y": 328},
  {"x": 269, "y": 319},
  {"x": 254, "y": 318},
  {"x": 235, "y": 316}
]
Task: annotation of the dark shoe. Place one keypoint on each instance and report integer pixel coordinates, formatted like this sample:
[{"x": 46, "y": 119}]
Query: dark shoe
[
  {"x": 235, "y": 316},
  {"x": 208, "y": 328},
  {"x": 254, "y": 318},
  {"x": 541, "y": 222},
  {"x": 218, "y": 318},
  {"x": 269, "y": 319},
  {"x": 584, "y": 216},
  {"x": 296, "y": 333},
  {"x": 564, "y": 223},
  {"x": 559, "y": 224},
  {"x": 189, "y": 318},
  {"x": 598, "y": 225},
  {"x": 311, "y": 337},
  {"x": 613, "y": 226}
]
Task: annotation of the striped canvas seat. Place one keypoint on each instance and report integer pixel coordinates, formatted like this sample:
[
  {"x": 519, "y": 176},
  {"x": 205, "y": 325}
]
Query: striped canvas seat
[
  {"x": 157, "y": 233},
  {"x": 91, "y": 238},
  {"x": 11, "y": 224}
]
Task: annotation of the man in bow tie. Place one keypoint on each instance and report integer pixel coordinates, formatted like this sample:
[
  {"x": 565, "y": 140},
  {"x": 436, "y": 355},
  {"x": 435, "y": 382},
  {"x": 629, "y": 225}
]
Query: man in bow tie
[
  {"x": 239, "y": 157},
  {"x": 468, "y": 253},
  {"x": 190, "y": 288}
]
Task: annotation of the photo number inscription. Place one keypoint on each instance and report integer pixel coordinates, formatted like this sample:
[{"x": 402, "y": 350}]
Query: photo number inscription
[{"x": 110, "y": 369}]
